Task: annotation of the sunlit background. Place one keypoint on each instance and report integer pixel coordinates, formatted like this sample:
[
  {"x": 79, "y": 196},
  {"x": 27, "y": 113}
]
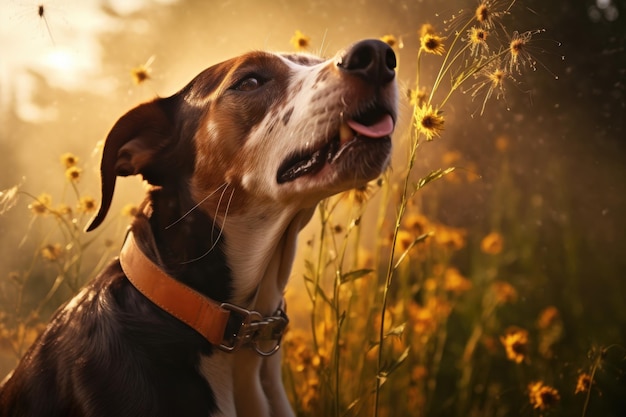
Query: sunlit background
[{"x": 68, "y": 70}]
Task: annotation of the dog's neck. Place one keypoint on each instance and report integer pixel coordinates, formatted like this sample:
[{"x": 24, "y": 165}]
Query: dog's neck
[
  {"x": 195, "y": 248},
  {"x": 266, "y": 252}
]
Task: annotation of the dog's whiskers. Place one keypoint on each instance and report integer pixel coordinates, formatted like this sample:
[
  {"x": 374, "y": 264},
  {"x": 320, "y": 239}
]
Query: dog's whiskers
[
  {"x": 221, "y": 228},
  {"x": 217, "y": 212},
  {"x": 196, "y": 206}
]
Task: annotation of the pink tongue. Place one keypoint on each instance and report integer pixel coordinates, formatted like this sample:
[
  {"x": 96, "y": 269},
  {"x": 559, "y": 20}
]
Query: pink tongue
[{"x": 381, "y": 128}]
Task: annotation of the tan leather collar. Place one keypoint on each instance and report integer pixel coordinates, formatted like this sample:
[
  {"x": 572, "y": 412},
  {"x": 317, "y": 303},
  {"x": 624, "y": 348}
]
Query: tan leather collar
[{"x": 206, "y": 316}]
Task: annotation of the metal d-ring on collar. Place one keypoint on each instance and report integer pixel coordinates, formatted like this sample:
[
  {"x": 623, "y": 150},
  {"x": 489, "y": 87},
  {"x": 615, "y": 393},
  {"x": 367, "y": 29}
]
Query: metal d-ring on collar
[{"x": 250, "y": 329}]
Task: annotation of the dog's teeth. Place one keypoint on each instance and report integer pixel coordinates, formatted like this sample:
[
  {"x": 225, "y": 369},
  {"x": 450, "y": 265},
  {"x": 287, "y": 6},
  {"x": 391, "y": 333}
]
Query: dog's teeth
[{"x": 345, "y": 133}]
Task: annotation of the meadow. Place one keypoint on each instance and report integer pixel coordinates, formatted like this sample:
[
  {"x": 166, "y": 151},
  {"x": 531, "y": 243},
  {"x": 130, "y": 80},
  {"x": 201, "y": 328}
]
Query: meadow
[{"x": 408, "y": 297}]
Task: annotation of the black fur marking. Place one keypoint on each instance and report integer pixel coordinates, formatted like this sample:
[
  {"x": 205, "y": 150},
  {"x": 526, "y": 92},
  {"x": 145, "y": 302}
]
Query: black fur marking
[{"x": 287, "y": 115}]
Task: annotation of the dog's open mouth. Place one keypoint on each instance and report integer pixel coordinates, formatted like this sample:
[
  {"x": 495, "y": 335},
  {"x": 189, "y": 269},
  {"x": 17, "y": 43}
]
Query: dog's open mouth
[{"x": 370, "y": 127}]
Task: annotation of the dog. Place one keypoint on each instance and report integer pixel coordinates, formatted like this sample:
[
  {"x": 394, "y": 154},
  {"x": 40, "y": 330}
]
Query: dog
[{"x": 187, "y": 320}]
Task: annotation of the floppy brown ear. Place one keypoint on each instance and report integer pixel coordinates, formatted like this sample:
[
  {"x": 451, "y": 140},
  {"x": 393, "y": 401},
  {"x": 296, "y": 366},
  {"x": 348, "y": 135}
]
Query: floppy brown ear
[{"x": 129, "y": 148}]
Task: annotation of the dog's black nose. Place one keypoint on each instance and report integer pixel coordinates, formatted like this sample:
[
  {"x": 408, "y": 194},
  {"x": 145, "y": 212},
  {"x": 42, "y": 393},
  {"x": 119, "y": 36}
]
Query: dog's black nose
[{"x": 370, "y": 59}]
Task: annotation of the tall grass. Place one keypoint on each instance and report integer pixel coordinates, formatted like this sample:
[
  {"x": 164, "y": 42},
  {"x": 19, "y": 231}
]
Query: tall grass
[
  {"x": 396, "y": 328},
  {"x": 407, "y": 315}
]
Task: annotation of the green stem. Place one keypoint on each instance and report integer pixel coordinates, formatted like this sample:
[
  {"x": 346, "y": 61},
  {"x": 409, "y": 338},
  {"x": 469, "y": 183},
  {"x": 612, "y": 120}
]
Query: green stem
[
  {"x": 389, "y": 274},
  {"x": 445, "y": 66}
]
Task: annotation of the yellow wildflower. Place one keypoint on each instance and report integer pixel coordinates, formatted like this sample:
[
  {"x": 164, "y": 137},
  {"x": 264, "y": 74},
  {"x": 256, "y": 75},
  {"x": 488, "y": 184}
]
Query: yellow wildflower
[
  {"x": 502, "y": 143},
  {"x": 430, "y": 284},
  {"x": 542, "y": 396},
  {"x": 504, "y": 292},
  {"x": 358, "y": 195},
  {"x": 492, "y": 244},
  {"x": 418, "y": 373},
  {"x": 429, "y": 121},
  {"x": 477, "y": 38},
  {"x": 86, "y": 204},
  {"x": 300, "y": 41},
  {"x": 417, "y": 223},
  {"x": 432, "y": 44},
  {"x": 69, "y": 160},
  {"x": 41, "y": 205},
  {"x": 489, "y": 11},
  {"x": 519, "y": 51},
  {"x": 392, "y": 41},
  {"x": 496, "y": 76},
  {"x": 583, "y": 383},
  {"x": 450, "y": 238},
  {"x": 404, "y": 240},
  {"x": 417, "y": 98},
  {"x": 142, "y": 72},
  {"x": 421, "y": 318},
  {"x": 515, "y": 343},
  {"x": 130, "y": 210},
  {"x": 455, "y": 282},
  {"x": 547, "y": 317},
  {"x": 64, "y": 210},
  {"x": 338, "y": 229},
  {"x": 73, "y": 174},
  {"x": 52, "y": 252},
  {"x": 491, "y": 80},
  {"x": 450, "y": 158}
]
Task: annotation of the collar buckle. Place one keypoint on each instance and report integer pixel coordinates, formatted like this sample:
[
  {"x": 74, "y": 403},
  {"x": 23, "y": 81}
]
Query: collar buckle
[{"x": 250, "y": 328}]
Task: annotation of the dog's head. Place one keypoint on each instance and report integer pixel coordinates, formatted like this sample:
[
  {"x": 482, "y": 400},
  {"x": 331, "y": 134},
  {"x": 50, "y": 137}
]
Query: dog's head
[{"x": 283, "y": 129}]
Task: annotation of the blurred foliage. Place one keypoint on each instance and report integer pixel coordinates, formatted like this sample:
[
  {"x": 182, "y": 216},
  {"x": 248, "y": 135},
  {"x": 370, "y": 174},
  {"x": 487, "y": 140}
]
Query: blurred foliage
[{"x": 482, "y": 276}]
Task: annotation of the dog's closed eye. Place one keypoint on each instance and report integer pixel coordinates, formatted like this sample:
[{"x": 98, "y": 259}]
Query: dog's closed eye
[{"x": 249, "y": 83}]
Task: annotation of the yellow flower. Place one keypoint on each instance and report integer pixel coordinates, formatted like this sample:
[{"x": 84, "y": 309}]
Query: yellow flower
[
  {"x": 502, "y": 143},
  {"x": 449, "y": 237},
  {"x": 358, "y": 195},
  {"x": 515, "y": 343},
  {"x": 73, "y": 173},
  {"x": 86, "y": 204},
  {"x": 455, "y": 282},
  {"x": 542, "y": 396},
  {"x": 69, "y": 160},
  {"x": 483, "y": 14},
  {"x": 422, "y": 320},
  {"x": 52, "y": 252},
  {"x": 64, "y": 210},
  {"x": 300, "y": 41},
  {"x": 504, "y": 292},
  {"x": 432, "y": 44},
  {"x": 489, "y": 11},
  {"x": 583, "y": 383},
  {"x": 492, "y": 244},
  {"x": 338, "y": 229},
  {"x": 130, "y": 210},
  {"x": 417, "y": 98},
  {"x": 417, "y": 223},
  {"x": 519, "y": 52},
  {"x": 450, "y": 158},
  {"x": 477, "y": 38},
  {"x": 142, "y": 72},
  {"x": 418, "y": 373},
  {"x": 404, "y": 240},
  {"x": 392, "y": 41},
  {"x": 547, "y": 317},
  {"x": 491, "y": 79},
  {"x": 41, "y": 205},
  {"x": 429, "y": 121}
]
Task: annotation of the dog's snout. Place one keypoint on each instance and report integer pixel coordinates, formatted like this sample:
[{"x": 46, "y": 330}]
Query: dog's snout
[{"x": 370, "y": 59}]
